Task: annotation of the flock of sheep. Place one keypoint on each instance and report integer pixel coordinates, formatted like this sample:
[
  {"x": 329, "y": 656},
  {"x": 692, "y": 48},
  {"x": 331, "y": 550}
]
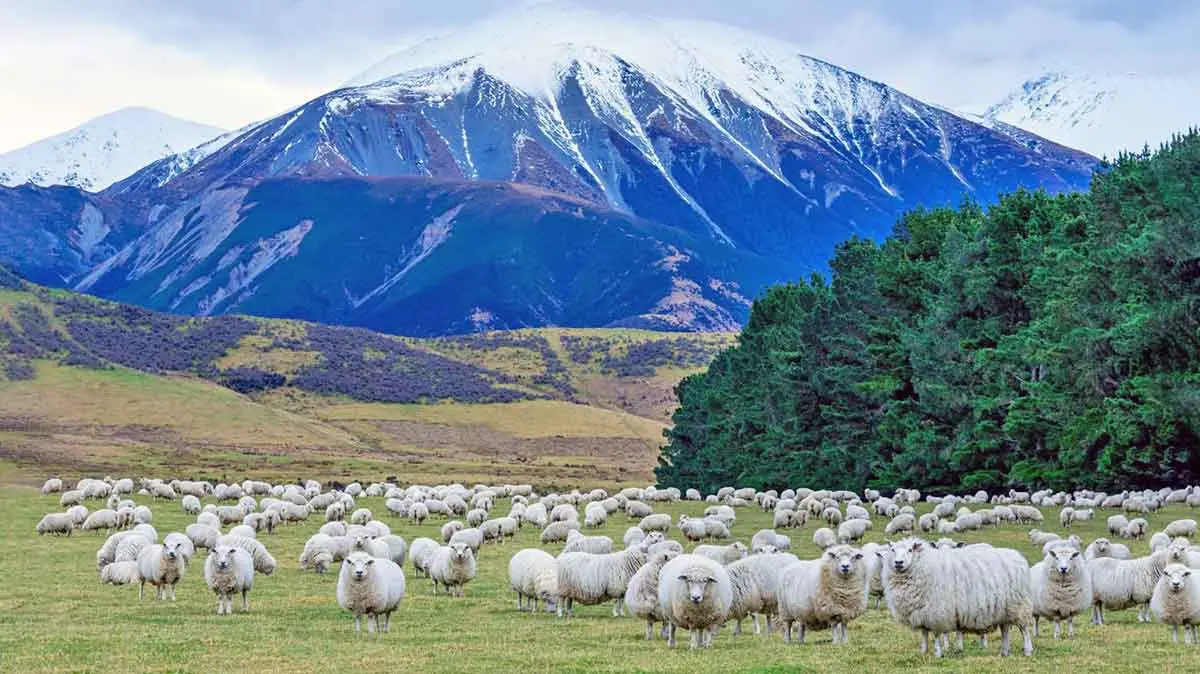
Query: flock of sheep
[{"x": 939, "y": 589}]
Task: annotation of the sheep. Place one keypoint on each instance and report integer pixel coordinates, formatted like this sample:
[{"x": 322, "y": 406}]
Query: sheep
[
  {"x": 475, "y": 517},
  {"x": 102, "y": 519},
  {"x": 397, "y": 548},
  {"x": 1038, "y": 537},
  {"x": 1176, "y": 601},
  {"x": 577, "y": 542},
  {"x": 120, "y": 573},
  {"x": 202, "y": 535},
  {"x": 826, "y": 592},
  {"x": 78, "y": 514},
  {"x": 473, "y": 538},
  {"x": 1116, "y": 524},
  {"x": 1027, "y": 514},
  {"x": 1102, "y": 547},
  {"x": 317, "y": 554},
  {"x": 716, "y": 529},
  {"x": 873, "y": 557},
  {"x": 186, "y": 547},
  {"x": 264, "y": 563},
  {"x": 372, "y": 587},
  {"x": 71, "y": 497},
  {"x": 692, "y": 529},
  {"x": 824, "y": 538},
  {"x": 52, "y": 486},
  {"x": 1118, "y": 584},
  {"x": 1184, "y": 528},
  {"x": 130, "y": 547},
  {"x": 162, "y": 566},
  {"x": 418, "y": 512},
  {"x": 769, "y": 537},
  {"x": 756, "y": 581},
  {"x": 421, "y": 553},
  {"x": 452, "y": 567},
  {"x": 656, "y": 522},
  {"x": 228, "y": 571},
  {"x": 593, "y": 579},
  {"x": 56, "y": 523},
  {"x": 1135, "y": 529},
  {"x": 536, "y": 515},
  {"x": 633, "y": 535},
  {"x": 1159, "y": 541},
  {"x": 852, "y": 530},
  {"x": 533, "y": 575},
  {"x": 900, "y": 524},
  {"x": 1061, "y": 588},
  {"x": 641, "y": 596},
  {"x": 832, "y": 516},
  {"x": 694, "y": 593},
  {"x": 556, "y": 532},
  {"x": 722, "y": 554},
  {"x": 244, "y": 531},
  {"x": 972, "y": 589}
]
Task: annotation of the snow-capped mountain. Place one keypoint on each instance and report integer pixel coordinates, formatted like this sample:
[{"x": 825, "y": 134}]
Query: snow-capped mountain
[
  {"x": 677, "y": 166},
  {"x": 1102, "y": 113},
  {"x": 103, "y": 150}
]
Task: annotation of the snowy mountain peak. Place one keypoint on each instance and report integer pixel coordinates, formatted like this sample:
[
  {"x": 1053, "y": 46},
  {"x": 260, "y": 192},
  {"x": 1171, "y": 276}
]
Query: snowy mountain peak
[
  {"x": 1101, "y": 113},
  {"x": 103, "y": 150}
]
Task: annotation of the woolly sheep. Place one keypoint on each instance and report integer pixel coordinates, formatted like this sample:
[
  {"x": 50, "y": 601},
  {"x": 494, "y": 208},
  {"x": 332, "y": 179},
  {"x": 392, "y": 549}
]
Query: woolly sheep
[
  {"x": 78, "y": 514},
  {"x": 852, "y": 530},
  {"x": 101, "y": 519},
  {"x": 229, "y": 571},
  {"x": 927, "y": 522},
  {"x": 186, "y": 547},
  {"x": 827, "y": 592},
  {"x": 1176, "y": 601},
  {"x": 1061, "y": 588},
  {"x": 52, "y": 486},
  {"x": 591, "y": 579},
  {"x": 1135, "y": 529},
  {"x": 641, "y": 596},
  {"x": 633, "y": 535},
  {"x": 716, "y": 529},
  {"x": 162, "y": 566},
  {"x": 453, "y": 566},
  {"x": 564, "y": 512},
  {"x": 120, "y": 573},
  {"x": 1102, "y": 547},
  {"x": 824, "y": 538},
  {"x": 556, "y": 532},
  {"x": 770, "y": 537},
  {"x": 397, "y": 548},
  {"x": 317, "y": 554},
  {"x": 371, "y": 587},
  {"x": 1119, "y": 584},
  {"x": 783, "y": 518},
  {"x": 832, "y": 516},
  {"x": 900, "y": 524},
  {"x": 202, "y": 535},
  {"x": 1116, "y": 524},
  {"x": 577, "y": 542},
  {"x": 56, "y": 523},
  {"x": 692, "y": 529},
  {"x": 1185, "y": 528},
  {"x": 533, "y": 575},
  {"x": 755, "y": 581},
  {"x": 419, "y": 512},
  {"x": 264, "y": 563},
  {"x": 421, "y": 553},
  {"x": 694, "y": 593},
  {"x": 472, "y": 538},
  {"x": 244, "y": 531},
  {"x": 657, "y": 522},
  {"x": 722, "y": 554},
  {"x": 971, "y": 589}
]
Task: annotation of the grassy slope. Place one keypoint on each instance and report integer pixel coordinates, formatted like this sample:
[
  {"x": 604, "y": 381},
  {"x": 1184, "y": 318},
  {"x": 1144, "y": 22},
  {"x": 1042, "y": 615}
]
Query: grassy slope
[
  {"x": 120, "y": 419},
  {"x": 56, "y": 617}
]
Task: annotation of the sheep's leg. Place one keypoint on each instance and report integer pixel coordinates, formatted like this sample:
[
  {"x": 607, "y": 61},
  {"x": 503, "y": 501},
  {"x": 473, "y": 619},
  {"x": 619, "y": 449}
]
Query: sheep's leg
[
  {"x": 372, "y": 623},
  {"x": 387, "y": 621},
  {"x": 1071, "y": 627},
  {"x": 757, "y": 627},
  {"x": 924, "y": 641},
  {"x": 520, "y": 602},
  {"x": 1037, "y": 626},
  {"x": 958, "y": 642},
  {"x": 1174, "y": 634},
  {"x": 1098, "y": 610},
  {"x": 737, "y": 627},
  {"x": 770, "y": 623},
  {"x": 787, "y": 631},
  {"x": 1004, "y": 640},
  {"x": 649, "y": 630},
  {"x": 357, "y": 623},
  {"x": 142, "y": 591},
  {"x": 983, "y": 641},
  {"x": 1026, "y": 641},
  {"x": 800, "y": 633},
  {"x": 695, "y": 639},
  {"x": 1057, "y": 628},
  {"x": 937, "y": 645},
  {"x": 559, "y": 609},
  {"x": 173, "y": 593}
]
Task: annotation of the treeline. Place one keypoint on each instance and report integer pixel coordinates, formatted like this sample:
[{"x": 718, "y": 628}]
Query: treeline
[{"x": 1045, "y": 341}]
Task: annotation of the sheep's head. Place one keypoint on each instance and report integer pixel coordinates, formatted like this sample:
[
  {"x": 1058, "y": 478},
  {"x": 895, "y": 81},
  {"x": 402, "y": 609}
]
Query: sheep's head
[
  {"x": 651, "y": 539},
  {"x": 1063, "y": 558},
  {"x": 1177, "y": 552},
  {"x": 697, "y": 581},
  {"x": 224, "y": 556},
  {"x": 765, "y": 549},
  {"x": 740, "y": 549},
  {"x": 461, "y": 552},
  {"x": 359, "y": 564},
  {"x": 844, "y": 559},
  {"x": 171, "y": 549},
  {"x": 1176, "y": 577},
  {"x": 905, "y": 553}
]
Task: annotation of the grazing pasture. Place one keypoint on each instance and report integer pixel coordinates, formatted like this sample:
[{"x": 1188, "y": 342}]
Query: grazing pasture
[{"x": 55, "y": 616}]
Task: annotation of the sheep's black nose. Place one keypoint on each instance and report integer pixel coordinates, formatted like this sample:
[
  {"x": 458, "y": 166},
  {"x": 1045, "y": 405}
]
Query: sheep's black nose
[{"x": 898, "y": 565}]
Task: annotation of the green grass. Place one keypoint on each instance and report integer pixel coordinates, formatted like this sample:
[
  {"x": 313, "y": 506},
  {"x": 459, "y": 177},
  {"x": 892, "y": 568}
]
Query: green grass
[{"x": 56, "y": 617}]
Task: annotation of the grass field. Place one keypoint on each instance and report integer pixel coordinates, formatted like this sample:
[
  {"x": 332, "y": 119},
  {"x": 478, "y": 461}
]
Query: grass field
[{"x": 56, "y": 617}]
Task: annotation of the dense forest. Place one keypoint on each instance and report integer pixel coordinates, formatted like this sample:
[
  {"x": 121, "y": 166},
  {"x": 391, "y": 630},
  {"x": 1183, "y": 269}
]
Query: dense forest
[{"x": 1045, "y": 341}]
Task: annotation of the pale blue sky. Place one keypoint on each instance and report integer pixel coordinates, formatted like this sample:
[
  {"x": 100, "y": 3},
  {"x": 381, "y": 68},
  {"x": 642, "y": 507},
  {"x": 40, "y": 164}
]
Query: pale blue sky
[{"x": 228, "y": 62}]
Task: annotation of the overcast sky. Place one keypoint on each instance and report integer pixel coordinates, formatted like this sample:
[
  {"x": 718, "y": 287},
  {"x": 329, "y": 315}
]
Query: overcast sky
[{"x": 229, "y": 62}]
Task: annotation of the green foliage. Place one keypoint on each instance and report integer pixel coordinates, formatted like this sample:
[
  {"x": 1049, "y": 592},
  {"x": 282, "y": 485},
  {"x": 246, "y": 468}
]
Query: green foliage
[{"x": 1049, "y": 341}]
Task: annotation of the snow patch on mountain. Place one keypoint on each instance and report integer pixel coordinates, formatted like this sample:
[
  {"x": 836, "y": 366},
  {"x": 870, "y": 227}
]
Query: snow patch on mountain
[{"x": 103, "y": 150}]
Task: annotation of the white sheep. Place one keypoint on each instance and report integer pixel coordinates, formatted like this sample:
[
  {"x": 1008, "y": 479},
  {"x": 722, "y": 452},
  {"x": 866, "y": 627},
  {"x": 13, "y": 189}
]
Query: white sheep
[
  {"x": 453, "y": 566},
  {"x": 533, "y": 575},
  {"x": 593, "y": 579},
  {"x": 852, "y": 531},
  {"x": 264, "y": 563},
  {"x": 633, "y": 536},
  {"x": 71, "y": 497},
  {"x": 556, "y": 532},
  {"x": 228, "y": 571},
  {"x": 694, "y": 593},
  {"x": 1176, "y": 601},
  {"x": 1116, "y": 524},
  {"x": 900, "y": 524},
  {"x": 722, "y": 554},
  {"x": 656, "y": 522},
  {"x": 421, "y": 553},
  {"x": 756, "y": 581},
  {"x": 824, "y": 538},
  {"x": 1119, "y": 584},
  {"x": 162, "y": 566},
  {"x": 641, "y": 596},
  {"x": 972, "y": 589},
  {"x": 577, "y": 542},
  {"x": 56, "y": 523},
  {"x": 317, "y": 554},
  {"x": 120, "y": 573},
  {"x": 1061, "y": 588},
  {"x": 1185, "y": 528},
  {"x": 769, "y": 537},
  {"x": 829, "y": 592},
  {"x": 52, "y": 486},
  {"x": 1102, "y": 547},
  {"x": 371, "y": 587}
]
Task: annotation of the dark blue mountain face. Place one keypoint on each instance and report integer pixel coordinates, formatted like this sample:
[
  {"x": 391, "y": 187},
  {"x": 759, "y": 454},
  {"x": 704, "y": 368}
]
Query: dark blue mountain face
[{"x": 389, "y": 207}]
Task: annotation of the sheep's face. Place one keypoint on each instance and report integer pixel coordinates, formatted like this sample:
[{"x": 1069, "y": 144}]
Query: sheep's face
[
  {"x": 1176, "y": 576},
  {"x": 766, "y": 549},
  {"x": 461, "y": 552},
  {"x": 1063, "y": 559},
  {"x": 844, "y": 560},
  {"x": 651, "y": 539},
  {"x": 740, "y": 549},
  {"x": 1177, "y": 553},
  {"x": 1102, "y": 546},
  {"x": 224, "y": 556},
  {"x": 905, "y": 553},
  {"x": 697, "y": 585},
  {"x": 171, "y": 550},
  {"x": 360, "y": 565}
]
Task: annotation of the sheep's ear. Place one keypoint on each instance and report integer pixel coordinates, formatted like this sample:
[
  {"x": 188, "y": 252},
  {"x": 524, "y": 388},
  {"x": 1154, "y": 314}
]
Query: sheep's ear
[
  {"x": 917, "y": 546},
  {"x": 1074, "y": 554},
  {"x": 682, "y": 576},
  {"x": 831, "y": 555},
  {"x": 370, "y": 561},
  {"x": 960, "y": 544},
  {"x": 858, "y": 555}
]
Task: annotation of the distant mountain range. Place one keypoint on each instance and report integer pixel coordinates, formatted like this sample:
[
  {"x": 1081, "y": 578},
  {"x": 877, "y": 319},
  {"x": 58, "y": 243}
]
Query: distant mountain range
[
  {"x": 103, "y": 150},
  {"x": 547, "y": 167},
  {"x": 1102, "y": 113}
]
